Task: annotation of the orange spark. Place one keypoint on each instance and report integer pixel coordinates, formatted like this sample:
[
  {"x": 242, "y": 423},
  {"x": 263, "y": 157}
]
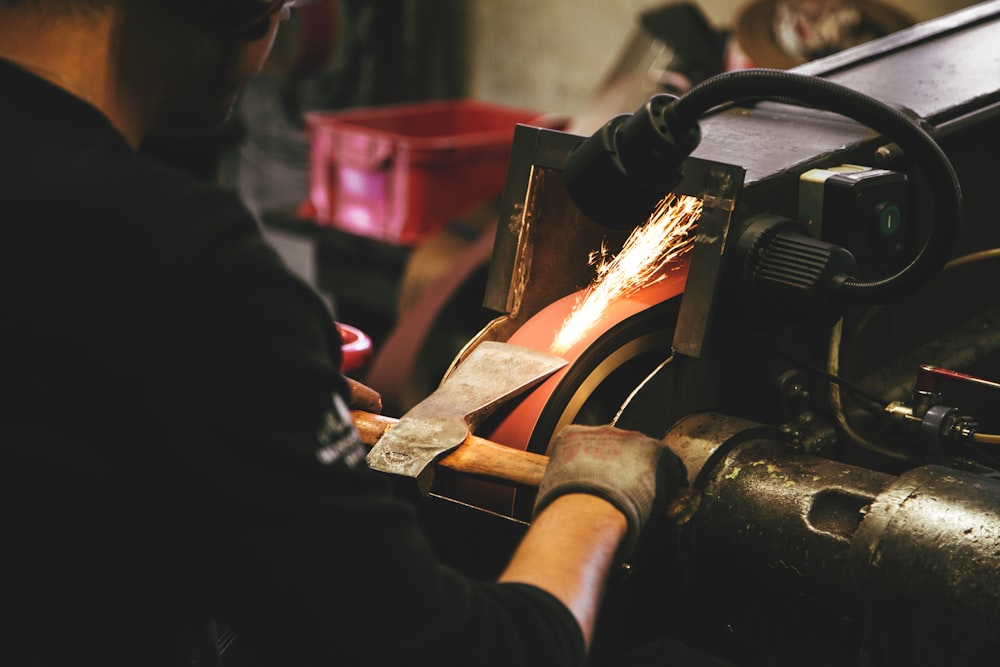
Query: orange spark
[{"x": 667, "y": 235}]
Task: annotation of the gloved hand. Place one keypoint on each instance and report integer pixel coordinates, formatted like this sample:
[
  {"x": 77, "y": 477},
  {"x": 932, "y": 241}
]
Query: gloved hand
[
  {"x": 631, "y": 470},
  {"x": 363, "y": 397}
]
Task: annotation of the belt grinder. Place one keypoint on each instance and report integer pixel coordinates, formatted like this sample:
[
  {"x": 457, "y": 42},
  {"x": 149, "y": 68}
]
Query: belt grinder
[{"x": 793, "y": 531}]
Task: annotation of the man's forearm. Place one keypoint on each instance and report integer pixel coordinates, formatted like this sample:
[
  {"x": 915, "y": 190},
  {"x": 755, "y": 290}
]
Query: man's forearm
[{"x": 568, "y": 552}]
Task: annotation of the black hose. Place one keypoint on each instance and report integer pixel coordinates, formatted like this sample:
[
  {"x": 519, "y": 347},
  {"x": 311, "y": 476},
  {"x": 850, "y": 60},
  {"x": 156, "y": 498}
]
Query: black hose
[{"x": 888, "y": 121}]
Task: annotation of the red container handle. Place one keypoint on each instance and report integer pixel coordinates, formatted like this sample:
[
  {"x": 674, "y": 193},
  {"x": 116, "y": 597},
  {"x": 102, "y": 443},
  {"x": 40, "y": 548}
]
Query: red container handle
[{"x": 356, "y": 347}]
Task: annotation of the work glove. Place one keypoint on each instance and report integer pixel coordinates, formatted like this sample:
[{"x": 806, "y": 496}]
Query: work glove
[{"x": 632, "y": 471}]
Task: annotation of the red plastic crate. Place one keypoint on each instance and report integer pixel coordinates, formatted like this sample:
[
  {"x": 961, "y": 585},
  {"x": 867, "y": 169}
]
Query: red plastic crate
[{"x": 398, "y": 173}]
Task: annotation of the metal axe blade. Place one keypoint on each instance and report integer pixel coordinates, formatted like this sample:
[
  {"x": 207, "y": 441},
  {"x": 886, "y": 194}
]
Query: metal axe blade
[{"x": 491, "y": 374}]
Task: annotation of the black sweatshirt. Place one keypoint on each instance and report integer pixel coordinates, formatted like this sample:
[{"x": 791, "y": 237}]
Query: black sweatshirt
[{"x": 176, "y": 445}]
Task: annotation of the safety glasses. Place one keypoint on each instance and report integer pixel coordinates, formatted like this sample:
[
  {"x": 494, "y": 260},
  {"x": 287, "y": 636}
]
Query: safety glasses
[
  {"x": 253, "y": 22},
  {"x": 286, "y": 7}
]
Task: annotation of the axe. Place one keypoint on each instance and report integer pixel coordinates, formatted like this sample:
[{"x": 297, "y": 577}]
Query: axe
[
  {"x": 438, "y": 430},
  {"x": 491, "y": 373}
]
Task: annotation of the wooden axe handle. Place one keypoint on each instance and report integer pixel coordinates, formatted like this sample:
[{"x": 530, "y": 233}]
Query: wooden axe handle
[
  {"x": 484, "y": 458},
  {"x": 476, "y": 456}
]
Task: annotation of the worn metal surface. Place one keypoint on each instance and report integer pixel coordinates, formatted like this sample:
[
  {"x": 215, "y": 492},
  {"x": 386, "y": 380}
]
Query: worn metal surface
[
  {"x": 925, "y": 570},
  {"x": 793, "y": 516},
  {"x": 492, "y": 374},
  {"x": 717, "y": 185},
  {"x": 912, "y": 561}
]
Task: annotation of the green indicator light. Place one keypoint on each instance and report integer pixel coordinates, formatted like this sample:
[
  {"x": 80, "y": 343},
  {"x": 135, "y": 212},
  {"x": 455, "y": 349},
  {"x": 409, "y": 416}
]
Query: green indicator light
[{"x": 889, "y": 218}]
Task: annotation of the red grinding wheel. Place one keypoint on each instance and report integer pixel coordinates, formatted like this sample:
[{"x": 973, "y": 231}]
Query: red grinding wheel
[{"x": 614, "y": 356}]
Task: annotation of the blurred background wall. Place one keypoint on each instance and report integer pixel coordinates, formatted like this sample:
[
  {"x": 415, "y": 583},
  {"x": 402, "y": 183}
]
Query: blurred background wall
[{"x": 550, "y": 54}]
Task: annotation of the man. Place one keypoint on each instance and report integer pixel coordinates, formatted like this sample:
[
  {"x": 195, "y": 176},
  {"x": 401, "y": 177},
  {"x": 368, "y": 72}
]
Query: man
[{"x": 177, "y": 447}]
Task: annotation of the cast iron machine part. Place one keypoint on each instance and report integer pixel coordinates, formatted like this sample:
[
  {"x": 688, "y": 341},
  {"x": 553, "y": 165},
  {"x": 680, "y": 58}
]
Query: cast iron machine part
[
  {"x": 912, "y": 561},
  {"x": 617, "y": 176}
]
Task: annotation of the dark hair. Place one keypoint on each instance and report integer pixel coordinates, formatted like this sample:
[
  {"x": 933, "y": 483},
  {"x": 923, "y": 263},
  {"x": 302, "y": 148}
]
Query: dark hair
[
  {"x": 234, "y": 16},
  {"x": 60, "y": 6},
  {"x": 228, "y": 15}
]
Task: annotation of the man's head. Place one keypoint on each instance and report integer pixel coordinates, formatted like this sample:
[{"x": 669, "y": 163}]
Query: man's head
[
  {"x": 212, "y": 48},
  {"x": 247, "y": 18},
  {"x": 149, "y": 64}
]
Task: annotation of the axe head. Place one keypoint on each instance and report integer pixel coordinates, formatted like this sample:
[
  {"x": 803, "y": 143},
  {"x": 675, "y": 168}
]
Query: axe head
[{"x": 491, "y": 374}]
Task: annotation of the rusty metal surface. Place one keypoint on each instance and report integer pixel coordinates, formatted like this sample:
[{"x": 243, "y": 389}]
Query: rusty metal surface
[{"x": 542, "y": 242}]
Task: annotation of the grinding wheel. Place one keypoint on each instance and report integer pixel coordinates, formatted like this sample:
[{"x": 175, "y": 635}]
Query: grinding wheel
[{"x": 607, "y": 366}]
